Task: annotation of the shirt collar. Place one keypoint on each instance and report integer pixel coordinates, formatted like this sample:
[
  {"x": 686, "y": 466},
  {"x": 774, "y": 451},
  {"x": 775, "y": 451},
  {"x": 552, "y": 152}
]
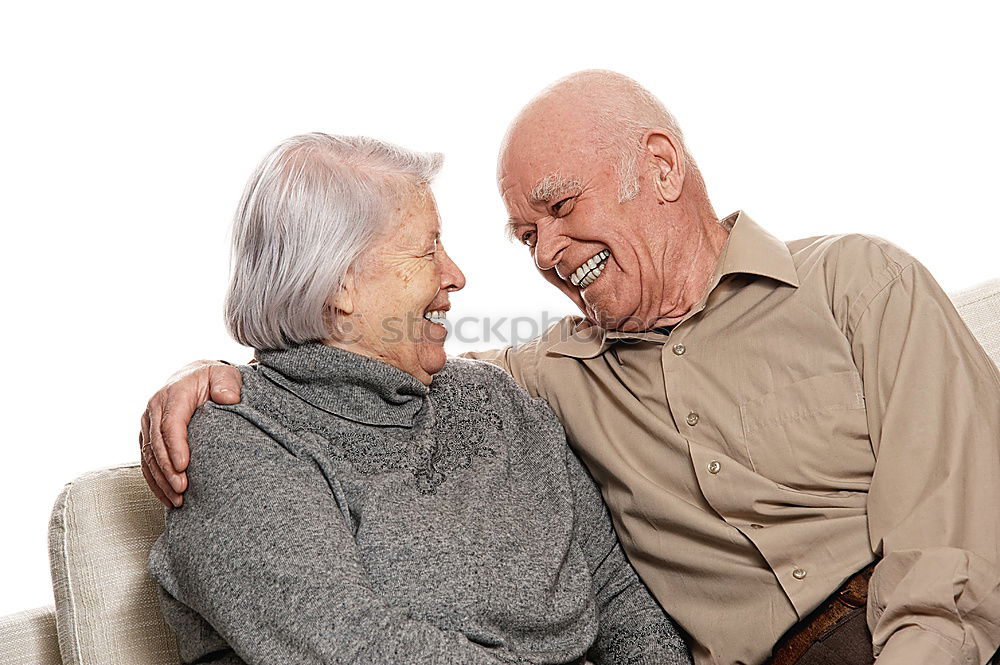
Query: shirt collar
[
  {"x": 749, "y": 249},
  {"x": 752, "y": 250},
  {"x": 344, "y": 383}
]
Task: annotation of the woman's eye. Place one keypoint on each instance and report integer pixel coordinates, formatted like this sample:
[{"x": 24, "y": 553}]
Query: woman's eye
[{"x": 528, "y": 238}]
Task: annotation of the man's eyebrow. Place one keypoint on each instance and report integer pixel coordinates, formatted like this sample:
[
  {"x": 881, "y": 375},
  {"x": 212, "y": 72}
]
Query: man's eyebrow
[
  {"x": 551, "y": 186},
  {"x": 510, "y": 229}
]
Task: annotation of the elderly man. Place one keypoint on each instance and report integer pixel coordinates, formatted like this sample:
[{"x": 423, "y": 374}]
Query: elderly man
[{"x": 799, "y": 441}]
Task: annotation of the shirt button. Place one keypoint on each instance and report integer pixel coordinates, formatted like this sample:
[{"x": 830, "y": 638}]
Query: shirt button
[
  {"x": 799, "y": 573},
  {"x": 679, "y": 349},
  {"x": 714, "y": 466},
  {"x": 756, "y": 526},
  {"x": 692, "y": 418}
]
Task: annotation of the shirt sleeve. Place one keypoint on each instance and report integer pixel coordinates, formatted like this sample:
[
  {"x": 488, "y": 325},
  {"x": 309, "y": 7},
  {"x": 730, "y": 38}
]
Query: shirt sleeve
[
  {"x": 633, "y": 628},
  {"x": 519, "y": 361},
  {"x": 260, "y": 550},
  {"x": 933, "y": 402}
]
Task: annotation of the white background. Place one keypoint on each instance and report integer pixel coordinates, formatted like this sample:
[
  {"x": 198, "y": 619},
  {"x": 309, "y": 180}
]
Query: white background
[{"x": 129, "y": 130}]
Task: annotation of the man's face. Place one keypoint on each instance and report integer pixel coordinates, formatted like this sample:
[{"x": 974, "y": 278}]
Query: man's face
[{"x": 562, "y": 198}]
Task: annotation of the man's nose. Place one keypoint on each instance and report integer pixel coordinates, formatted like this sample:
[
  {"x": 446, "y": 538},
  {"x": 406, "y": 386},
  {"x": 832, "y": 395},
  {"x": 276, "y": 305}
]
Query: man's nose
[
  {"x": 549, "y": 246},
  {"x": 452, "y": 278}
]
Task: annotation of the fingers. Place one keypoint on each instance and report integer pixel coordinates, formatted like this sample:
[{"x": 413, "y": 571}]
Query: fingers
[
  {"x": 161, "y": 465},
  {"x": 151, "y": 472},
  {"x": 163, "y": 433},
  {"x": 180, "y": 403},
  {"x": 224, "y": 383}
]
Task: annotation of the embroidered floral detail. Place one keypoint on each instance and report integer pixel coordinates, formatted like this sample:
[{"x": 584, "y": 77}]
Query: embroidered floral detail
[
  {"x": 470, "y": 423},
  {"x": 457, "y": 423}
]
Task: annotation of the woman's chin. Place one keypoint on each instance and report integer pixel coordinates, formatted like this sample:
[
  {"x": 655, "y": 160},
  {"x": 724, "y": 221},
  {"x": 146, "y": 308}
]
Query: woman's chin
[{"x": 432, "y": 357}]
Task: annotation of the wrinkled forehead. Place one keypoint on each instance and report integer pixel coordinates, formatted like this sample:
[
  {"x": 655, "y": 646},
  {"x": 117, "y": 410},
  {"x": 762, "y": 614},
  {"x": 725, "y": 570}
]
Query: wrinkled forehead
[
  {"x": 537, "y": 170},
  {"x": 550, "y": 136},
  {"x": 413, "y": 218}
]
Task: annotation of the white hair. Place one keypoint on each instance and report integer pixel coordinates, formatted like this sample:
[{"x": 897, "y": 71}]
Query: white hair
[
  {"x": 626, "y": 123},
  {"x": 313, "y": 207}
]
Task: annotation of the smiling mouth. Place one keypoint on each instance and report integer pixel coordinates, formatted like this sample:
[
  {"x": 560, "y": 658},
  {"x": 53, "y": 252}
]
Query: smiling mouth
[
  {"x": 591, "y": 270},
  {"x": 438, "y": 316}
]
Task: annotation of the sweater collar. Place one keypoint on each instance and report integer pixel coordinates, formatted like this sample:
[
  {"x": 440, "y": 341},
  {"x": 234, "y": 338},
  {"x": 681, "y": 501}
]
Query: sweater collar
[{"x": 346, "y": 384}]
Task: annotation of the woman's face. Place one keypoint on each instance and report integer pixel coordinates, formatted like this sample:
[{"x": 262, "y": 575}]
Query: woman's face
[{"x": 386, "y": 306}]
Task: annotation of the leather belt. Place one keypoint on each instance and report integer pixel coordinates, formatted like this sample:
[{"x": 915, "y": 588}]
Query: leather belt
[{"x": 841, "y": 604}]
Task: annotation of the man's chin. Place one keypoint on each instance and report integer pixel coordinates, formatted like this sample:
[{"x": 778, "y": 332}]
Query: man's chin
[
  {"x": 603, "y": 310},
  {"x": 611, "y": 320}
]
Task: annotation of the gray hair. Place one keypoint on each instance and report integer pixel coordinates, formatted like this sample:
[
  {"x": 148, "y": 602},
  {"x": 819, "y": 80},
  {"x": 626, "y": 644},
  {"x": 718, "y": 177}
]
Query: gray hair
[
  {"x": 627, "y": 122},
  {"x": 310, "y": 211}
]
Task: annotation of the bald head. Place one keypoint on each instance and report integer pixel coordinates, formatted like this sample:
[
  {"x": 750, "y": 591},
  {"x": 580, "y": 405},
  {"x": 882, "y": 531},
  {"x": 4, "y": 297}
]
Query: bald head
[
  {"x": 598, "y": 185},
  {"x": 606, "y": 109}
]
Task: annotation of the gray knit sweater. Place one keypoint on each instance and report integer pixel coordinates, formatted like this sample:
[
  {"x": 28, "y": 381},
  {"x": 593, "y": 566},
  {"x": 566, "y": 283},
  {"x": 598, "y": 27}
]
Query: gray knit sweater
[{"x": 345, "y": 513}]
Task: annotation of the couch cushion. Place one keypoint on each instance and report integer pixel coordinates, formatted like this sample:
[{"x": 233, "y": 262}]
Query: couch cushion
[
  {"x": 980, "y": 308},
  {"x": 29, "y": 638},
  {"x": 100, "y": 533}
]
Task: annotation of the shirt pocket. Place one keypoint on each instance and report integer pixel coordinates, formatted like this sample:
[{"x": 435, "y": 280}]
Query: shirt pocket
[{"x": 812, "y": 434}]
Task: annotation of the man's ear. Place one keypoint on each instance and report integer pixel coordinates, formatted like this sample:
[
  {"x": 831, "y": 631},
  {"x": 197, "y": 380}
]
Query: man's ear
[{"x": 668, "y": 156}]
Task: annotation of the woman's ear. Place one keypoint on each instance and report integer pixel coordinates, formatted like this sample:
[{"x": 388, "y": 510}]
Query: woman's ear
[
  {"x": 338, "y": 305},
  {"x": 668, "y": 156},
  {"x": 343, "y": 299},
  {"x": 341, "y": 302}
]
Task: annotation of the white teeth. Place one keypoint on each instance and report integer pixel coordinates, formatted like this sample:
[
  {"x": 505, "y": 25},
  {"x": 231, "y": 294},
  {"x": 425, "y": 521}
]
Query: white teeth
[
  {"x": 437, "y": 316},
  {"x": 589, "y": 271}
]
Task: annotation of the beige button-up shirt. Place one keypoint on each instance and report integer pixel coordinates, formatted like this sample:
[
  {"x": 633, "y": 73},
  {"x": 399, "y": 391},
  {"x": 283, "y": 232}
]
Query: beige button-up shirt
[{"x": 822, "y": 406}]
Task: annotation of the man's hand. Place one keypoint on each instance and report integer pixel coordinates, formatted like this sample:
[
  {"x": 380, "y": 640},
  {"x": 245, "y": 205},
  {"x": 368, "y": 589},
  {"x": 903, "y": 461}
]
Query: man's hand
[{"x": 163, "y": 433}]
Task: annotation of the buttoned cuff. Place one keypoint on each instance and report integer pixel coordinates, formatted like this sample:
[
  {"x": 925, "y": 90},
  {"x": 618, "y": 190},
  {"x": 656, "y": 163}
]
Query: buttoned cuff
[{"x": 915, "y": 646}]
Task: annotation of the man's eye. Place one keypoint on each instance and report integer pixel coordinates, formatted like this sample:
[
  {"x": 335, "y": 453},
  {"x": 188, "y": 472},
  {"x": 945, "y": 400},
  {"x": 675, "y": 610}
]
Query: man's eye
[
  {"x": 565, "y": 204},
  {"x": 528, "y": 238}
]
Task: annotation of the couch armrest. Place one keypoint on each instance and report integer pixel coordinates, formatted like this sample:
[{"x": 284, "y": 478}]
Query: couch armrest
[{"x": 29, "y": 638}]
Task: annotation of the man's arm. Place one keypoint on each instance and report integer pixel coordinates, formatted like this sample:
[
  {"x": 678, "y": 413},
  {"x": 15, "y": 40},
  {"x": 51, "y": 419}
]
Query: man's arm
[
  {"x": 933, "y": 402},
  {"x": 276, "y": 572},
  {"x": 521, "y": 361},
  {"x": 163, "y": 428},
  {"x": 163, "y": 431},
  {"x": 163, "y": 439}
]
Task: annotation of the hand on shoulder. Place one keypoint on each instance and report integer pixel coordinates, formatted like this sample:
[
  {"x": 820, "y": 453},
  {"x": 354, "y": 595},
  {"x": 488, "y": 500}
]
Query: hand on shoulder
[{"x": 163, "y": 428}]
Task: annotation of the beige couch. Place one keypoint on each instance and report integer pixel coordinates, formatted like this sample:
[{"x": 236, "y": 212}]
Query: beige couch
[{"x": 103, "y": 524}]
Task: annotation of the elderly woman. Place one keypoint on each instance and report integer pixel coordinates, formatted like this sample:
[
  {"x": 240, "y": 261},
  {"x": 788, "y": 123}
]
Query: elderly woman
[{"x": 369, "y": 501}]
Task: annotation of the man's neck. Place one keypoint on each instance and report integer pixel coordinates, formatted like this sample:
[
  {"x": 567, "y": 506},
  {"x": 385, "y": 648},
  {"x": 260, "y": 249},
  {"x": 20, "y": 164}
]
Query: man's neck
[{"x": 701, "y": 270}]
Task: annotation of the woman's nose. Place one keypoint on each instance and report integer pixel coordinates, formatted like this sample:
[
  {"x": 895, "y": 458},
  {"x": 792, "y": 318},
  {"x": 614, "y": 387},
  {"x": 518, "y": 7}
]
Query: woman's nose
[{"x": 452, "y": 278}]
